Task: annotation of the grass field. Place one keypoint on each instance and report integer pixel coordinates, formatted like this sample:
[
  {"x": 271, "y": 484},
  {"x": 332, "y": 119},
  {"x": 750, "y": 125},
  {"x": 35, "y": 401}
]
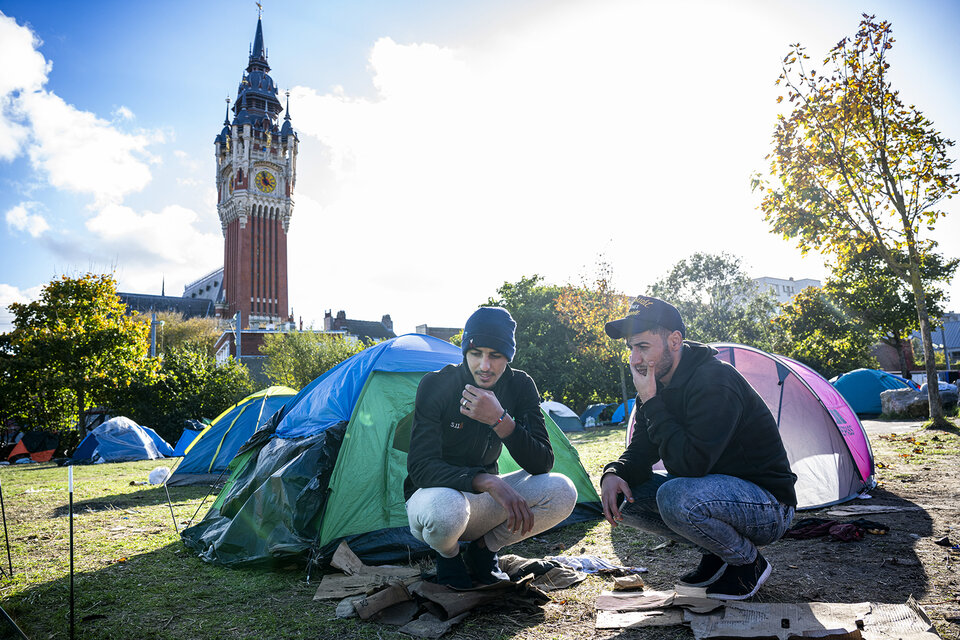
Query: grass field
[{"x": 135, "y": 579}]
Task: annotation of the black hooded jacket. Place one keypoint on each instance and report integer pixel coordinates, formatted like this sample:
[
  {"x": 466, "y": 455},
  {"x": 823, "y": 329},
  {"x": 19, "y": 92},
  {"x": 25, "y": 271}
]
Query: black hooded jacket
[
  {"x": 708, "y": 420},
  {"x": 447, "y": 449}
]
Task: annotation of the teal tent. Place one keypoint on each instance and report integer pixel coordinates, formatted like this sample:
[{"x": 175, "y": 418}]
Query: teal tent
[
  {"x": 206, "y": 458},
  {"x": 330, "y": 467},
  {"x": 861, "y": 388}
]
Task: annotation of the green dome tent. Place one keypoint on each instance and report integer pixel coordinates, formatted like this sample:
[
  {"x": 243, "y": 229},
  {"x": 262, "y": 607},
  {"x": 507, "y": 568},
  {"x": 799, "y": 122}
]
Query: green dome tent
[{"x": 331, "y": 465}]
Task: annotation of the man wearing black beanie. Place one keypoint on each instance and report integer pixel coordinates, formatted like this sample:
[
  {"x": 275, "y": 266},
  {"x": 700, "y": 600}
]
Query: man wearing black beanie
[{"x": 464, "y": 415}]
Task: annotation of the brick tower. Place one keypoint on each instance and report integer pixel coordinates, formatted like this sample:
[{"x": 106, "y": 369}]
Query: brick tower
[{"x": 256, "y": 173}]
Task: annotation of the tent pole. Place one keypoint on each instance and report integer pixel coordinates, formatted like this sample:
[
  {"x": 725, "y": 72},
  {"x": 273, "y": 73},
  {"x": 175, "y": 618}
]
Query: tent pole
[
  {"x": 6, "y": 536},
  {"x": 70, "y": 488},
  {"x": 215, "y": 482},
  {"x": 13, "y": 625},
  {"x": 170, "y": 504}
]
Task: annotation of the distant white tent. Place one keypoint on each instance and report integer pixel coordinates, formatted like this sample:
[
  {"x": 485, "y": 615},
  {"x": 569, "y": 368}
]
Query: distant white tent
[{"x": 565, "y": 417}]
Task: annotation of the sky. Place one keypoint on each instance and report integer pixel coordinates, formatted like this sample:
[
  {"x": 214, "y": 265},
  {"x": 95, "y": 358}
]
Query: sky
[{"x": 446, "y": 146}]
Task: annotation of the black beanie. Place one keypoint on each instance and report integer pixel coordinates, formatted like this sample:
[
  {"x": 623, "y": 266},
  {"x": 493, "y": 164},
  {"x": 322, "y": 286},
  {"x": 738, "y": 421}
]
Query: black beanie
[{"x": 490, "y": 327}]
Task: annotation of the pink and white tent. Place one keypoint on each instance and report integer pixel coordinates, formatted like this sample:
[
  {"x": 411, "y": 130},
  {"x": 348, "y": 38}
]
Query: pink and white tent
[{"x": 825, "y": 442}]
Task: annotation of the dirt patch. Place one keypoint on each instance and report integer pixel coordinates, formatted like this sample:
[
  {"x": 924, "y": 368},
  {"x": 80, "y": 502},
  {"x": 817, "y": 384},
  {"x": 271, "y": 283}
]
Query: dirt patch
[{"x": 918, "y": 473}]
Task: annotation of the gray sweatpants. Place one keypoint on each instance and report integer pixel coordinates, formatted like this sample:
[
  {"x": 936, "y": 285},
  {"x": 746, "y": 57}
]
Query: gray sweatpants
[{"x": 443, "y": 517}]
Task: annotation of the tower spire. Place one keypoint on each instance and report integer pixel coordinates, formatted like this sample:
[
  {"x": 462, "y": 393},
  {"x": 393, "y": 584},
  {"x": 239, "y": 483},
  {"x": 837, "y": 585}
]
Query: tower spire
[
  {"x": 257, "y": 54},
  {"x": 287, "y": 111}
]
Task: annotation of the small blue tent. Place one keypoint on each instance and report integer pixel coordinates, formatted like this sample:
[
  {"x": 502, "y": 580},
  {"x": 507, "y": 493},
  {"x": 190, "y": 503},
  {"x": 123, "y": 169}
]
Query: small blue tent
[
  {"x": 620, "y": 415},
  {"x": 121, "y": 439},
  {"x": 186, "y": 439},
  {"x": 591, "y": 415},
  {"x": 207, "y": 457},
  {"x": 861, "y": 388}
]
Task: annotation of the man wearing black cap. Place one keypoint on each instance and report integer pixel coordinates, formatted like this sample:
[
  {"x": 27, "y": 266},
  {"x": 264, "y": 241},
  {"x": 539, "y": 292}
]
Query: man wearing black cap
[
  {"x": 728, "y": 488},
  {"x": 463, "y": 416}
]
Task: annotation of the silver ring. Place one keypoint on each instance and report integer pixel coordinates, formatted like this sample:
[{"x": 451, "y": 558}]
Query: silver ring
[{"x": 464, "y": 402}]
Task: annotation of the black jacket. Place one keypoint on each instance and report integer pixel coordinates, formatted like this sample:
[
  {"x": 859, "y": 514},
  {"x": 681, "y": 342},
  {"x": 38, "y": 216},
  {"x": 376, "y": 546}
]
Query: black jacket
[
  {"x": 447, "y": 449},
  {"x": 708, "y": 420}
]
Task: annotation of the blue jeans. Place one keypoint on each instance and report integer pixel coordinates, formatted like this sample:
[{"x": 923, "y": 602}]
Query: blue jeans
[{"x": 723, "y": 515}]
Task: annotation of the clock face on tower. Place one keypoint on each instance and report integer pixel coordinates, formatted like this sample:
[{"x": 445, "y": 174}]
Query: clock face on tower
[{"x": 265, "y": 181}]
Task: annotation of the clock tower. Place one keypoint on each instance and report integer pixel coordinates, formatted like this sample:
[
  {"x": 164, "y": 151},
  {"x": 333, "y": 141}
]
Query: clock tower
[{"x": 256, "y": 174}]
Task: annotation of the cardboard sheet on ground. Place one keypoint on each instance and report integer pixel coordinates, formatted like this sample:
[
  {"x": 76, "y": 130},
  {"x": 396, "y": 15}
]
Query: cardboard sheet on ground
[
  {"x": 691, "y": 598},
  {"x": 358, "y": 578},
  {"x": 629, "y": 619},
  {"x": 779, "y": 620},
  {"x": 861, "y": 621},
  {"x": 430, "y": 626},
  {"x": 868, "y": 509}
]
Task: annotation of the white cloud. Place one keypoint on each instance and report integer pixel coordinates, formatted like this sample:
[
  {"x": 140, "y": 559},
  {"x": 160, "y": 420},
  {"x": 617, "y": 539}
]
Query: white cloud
[
  {"x": 10, "y": 294},
  {"x": 75, "y": 149},
  {"x": 123, "y": 113},
  {"x": 20, "y": 218},
  {"x": 28, "y": 73},
  {"x": 80, "y": 152},
  {"x": 154, "y": 244},
  {"x": 534, "y": 151}
]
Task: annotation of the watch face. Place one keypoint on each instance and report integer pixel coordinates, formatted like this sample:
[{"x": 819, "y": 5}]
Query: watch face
[{"x": 265, "y": 181}]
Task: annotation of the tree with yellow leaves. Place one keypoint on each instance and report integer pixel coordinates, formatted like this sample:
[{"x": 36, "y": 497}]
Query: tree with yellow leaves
[{"x": 856, "y": 169}]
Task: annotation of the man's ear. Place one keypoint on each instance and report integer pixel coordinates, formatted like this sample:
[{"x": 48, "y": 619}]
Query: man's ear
[{"x": 675, "y": 340}]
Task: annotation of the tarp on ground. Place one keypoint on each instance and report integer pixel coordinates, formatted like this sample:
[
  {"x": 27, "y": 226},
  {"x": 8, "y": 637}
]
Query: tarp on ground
[
  {"x": 861, "y": 388},
  {"x": 121, "y": 439},
  {"x": 565, "y": 417},
  {"x": 207, "y": 458},
  {"x": 330, "y": 466}
]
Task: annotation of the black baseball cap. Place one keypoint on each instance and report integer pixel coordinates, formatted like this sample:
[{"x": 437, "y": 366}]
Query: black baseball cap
[{"x": 646, "y": 313}]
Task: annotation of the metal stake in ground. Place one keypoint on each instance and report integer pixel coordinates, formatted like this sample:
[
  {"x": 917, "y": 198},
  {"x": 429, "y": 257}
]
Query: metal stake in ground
[
  {"x": 6, "y": 536},
  {"x": 70, "y": 491}
]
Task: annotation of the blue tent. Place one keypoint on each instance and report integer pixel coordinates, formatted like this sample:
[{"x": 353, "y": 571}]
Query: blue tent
[
  {"x": 620, "y": 415},
  {"x": 861, "y": 388},
  {"x": 593, "y": 411},
  {"x": 186, "y": 439},
  {"x": 207, "y": 457},
  {"x": 121, "y": 439}
]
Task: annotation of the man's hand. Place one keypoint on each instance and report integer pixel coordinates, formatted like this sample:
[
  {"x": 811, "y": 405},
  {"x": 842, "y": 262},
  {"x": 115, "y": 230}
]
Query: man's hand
[
  {"x": 519, "y": 516},
  {"x": 646, "y": 382},
  {"x": 480, "y": 404},
  {"x": 611, "y": 486}
]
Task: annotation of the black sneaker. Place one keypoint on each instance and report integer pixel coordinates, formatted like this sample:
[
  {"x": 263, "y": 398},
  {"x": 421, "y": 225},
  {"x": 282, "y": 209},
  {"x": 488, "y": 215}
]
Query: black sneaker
[
  {"x": 453, "y": 572},
  {"x": 740, "y": 582},
  {"x": 483, "y": 564},
  {"x": 711, "y": 567}
]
